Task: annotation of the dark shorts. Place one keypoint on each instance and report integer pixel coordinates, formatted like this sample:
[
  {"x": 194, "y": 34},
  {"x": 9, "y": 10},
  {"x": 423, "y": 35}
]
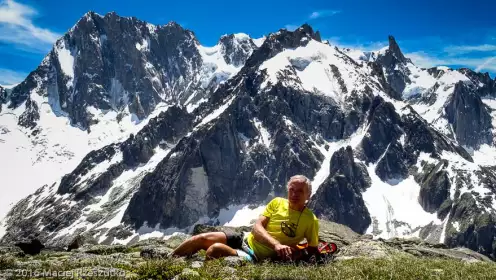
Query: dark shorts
[
  {"x": 238, "y": 242},
  {"x": 234, "y": 239}
]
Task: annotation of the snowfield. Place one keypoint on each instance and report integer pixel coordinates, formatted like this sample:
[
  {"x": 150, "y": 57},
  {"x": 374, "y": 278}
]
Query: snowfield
[
  {"x": 312, "y": 70},
  {"x": 56, "y": 150}
]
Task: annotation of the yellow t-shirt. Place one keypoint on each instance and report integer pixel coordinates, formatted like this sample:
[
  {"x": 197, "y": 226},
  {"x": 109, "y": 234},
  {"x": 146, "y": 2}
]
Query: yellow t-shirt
[{"x": 278, "y": 212}]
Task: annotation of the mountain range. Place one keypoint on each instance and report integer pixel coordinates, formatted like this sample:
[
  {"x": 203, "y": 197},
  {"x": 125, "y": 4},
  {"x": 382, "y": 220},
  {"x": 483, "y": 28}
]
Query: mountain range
[{"x": 128, "y": 130}]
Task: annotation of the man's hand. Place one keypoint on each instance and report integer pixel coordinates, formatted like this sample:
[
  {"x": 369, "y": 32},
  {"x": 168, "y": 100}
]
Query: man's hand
[{"x": 284, "y": 252}]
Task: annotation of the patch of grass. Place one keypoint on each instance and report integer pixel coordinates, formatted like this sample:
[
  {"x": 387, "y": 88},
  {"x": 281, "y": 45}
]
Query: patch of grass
[
  {"x": 360, "y": 268},
  {"x": 398, "y": 267},
  {"x": 134, "y": 249},
  {"x": 7, "y": 262},
  {"x": 41, "y": 257},
  {"x": 108, "y": 250},
  {"x": 161, "y": 269}
]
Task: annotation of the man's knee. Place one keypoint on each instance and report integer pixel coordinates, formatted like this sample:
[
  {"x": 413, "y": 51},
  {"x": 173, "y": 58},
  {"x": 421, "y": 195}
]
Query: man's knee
[
  {"x": 216, "y": 247},
  {"x": 215, "y": 250}
]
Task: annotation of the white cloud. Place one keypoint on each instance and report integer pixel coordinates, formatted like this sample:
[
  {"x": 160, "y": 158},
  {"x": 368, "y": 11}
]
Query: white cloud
[
  {"x": 312, "y": 16},
  {"x": 423, "y": 59},
  {"x": 323, "y": 13},
  {"x": 488, "y": 65},
  {"x": 363, "y": 46},
  {"x": 10, "y": 77},
  {"x": 453, "y": 50},
  {"x": 17, "y": 28}
]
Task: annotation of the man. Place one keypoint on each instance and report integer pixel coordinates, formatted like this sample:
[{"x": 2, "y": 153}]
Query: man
[{"x": 283, "y": 224}]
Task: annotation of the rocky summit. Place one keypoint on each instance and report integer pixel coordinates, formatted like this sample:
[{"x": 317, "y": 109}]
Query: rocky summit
[
  {"x": 137, "y": 131},
  {"x": 358, "y": 256}
]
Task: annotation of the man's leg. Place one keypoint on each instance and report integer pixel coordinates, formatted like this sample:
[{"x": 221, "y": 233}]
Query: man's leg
[
  {"x": 219, "y": 250},
  {"x": 198, "y": 242}
]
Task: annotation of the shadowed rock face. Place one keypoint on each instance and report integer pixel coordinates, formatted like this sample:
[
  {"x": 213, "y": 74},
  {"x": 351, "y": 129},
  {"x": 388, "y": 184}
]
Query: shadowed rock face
[
  {"x": 469, "y": 117},
  {"x": 384, "y": 128},
  {"x": 236, "y": 50},
  {"x": 395, "y": 142},
  {"x": 394, "y": 164},
  {"x": 488, "y": 88},
  {"x": 31, "y": 248},
  {"x": 111, "y": 62},
  {"x": 30, "y": 116},
  {"x": 393, "y": 61},
  {"x": 475, "y": 228},
  {"x": 434, "y": 186},
  {"x": 346, "y": 181},
  {"x": 3, "y": 97}
]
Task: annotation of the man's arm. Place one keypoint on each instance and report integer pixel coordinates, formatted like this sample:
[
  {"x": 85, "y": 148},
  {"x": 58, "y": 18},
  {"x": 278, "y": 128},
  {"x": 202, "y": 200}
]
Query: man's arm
[{"x": 262, "y": 236}]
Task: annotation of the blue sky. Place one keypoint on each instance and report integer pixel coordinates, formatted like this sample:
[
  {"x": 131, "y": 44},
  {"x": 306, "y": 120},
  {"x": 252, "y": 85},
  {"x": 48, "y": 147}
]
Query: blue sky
[{"x": 456, "y": 33}]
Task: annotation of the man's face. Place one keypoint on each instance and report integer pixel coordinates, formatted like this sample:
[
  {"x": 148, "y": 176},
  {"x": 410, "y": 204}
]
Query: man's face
[{"x": 297, "y": 192}]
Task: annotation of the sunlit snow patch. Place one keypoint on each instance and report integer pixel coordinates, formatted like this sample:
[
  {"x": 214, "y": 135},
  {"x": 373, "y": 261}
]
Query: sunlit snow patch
[
  {"x": 395, "y": 203},
  {"x": 58, "y": 147},
  {"x": 312, "y": 70},
  {"x": 217, "y": 112},
  {"x": 66, "y": 60}
]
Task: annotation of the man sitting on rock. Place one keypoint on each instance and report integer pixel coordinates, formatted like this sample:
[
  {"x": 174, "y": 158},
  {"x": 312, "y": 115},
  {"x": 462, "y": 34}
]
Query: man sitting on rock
[{"x": 283, "y": 224}]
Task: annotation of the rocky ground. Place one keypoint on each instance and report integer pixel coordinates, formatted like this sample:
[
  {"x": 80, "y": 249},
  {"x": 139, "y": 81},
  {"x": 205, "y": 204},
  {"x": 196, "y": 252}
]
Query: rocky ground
[{"x": 359, "y": 256}]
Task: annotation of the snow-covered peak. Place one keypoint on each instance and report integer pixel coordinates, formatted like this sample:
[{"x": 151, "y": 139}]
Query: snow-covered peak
[
  {"x": 214, "y": 65},
  {"x": 8, "y": 86},
  {"x": 259, "y": 41},
  {"x": 361, "y": 55},
  {"x": 443, "y": 68},
  {"x": 236, "y": 48},
  {"x": 315, "y": 68},
  {"x": 395, "y": 50},
  {"x": 241, "y": 36},
  {"x": 88, "y": 17},
  {"x": 225, "y": 59},
  {"x": 91, "y": 14}
]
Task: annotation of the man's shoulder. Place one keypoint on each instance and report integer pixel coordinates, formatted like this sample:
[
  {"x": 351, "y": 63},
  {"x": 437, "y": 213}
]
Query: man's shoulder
[
  {"x": 310, "y": 214},
  {"x": 278, "y": 200}
]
